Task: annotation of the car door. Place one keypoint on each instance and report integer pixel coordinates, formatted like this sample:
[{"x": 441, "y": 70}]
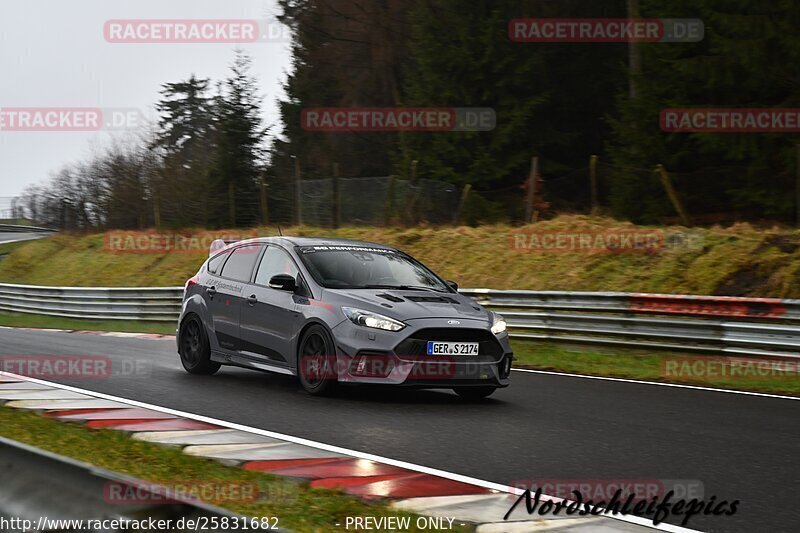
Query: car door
[
  {"x": 270, "y": 317},
  {"x": 225, "y": 294}
]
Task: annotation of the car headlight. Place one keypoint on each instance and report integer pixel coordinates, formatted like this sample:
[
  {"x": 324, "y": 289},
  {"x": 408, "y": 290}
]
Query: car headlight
[
  {"x": 372, "y": 320},
  {"x": 498, "y": 324}
]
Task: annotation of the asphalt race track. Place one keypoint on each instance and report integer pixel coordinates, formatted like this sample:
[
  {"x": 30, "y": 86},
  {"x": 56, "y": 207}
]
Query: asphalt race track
[
  {"x": 543, "y": 427},
  {"x": 5, "y": 237}
]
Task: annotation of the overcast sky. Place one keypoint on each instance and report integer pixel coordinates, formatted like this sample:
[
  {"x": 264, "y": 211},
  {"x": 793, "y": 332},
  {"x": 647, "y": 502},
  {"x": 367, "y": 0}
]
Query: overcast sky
[{"x": 53, "y": 53}]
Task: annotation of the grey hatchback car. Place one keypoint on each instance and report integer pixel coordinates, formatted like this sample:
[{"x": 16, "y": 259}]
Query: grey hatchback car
[{"x": 334, "y": 311}]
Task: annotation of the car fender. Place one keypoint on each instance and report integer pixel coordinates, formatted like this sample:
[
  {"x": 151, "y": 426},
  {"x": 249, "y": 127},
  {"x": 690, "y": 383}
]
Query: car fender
[
  {"x": 197, "y": 305},
  {"x": 310, "y": 321}
]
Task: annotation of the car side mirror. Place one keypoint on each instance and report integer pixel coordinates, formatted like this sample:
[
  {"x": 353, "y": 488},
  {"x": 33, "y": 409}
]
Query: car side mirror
[
  {"x": 283, "y": 282},
  {"x": 453, "y": 284}
]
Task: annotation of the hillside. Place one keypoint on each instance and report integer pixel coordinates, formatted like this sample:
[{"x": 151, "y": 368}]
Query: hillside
[{"x": 740, "y": 260}]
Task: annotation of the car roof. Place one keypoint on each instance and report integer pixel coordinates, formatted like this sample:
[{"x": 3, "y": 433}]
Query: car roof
[{"x": 317, "y": 241}]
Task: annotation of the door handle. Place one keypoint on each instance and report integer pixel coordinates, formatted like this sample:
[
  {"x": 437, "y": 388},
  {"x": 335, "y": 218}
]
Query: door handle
[
  {"x": 211, "y": 291},
  {"x": 251, "y": 300}
]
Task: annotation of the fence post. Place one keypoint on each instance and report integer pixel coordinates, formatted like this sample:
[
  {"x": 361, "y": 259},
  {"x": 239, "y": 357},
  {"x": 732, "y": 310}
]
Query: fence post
[
  {"x": 673, "y": 195},
  {"x": 389, "y": 206},
  {"x": 335, "y": 215},
  {"x": 462, "y": 202},
  {"x": 531, "y": 189},
  {"x": 593, "y": 183},
  {"x": 298, "y": 193},
  {"x": 797, "y": 191},
  {"x": 264, "y": 205},
  {"x": 232, "y": 204},
  {"x": 156, "y": 209},
  {"x": 411, "y": 199}
]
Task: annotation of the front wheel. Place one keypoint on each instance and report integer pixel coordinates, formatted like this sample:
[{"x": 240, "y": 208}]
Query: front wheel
[
  {"x": 194, "y": 349},
  {"x": 316, "y": 362},
  {"x": 475, "y": 393}
]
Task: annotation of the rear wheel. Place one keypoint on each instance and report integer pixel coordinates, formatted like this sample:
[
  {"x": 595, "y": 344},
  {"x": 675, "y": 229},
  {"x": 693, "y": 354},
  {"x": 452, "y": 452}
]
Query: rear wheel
[
  {"x": 475, "y": 393},
  {"x": 194, "y": 348},
  {"x": 316, "y": 362}
]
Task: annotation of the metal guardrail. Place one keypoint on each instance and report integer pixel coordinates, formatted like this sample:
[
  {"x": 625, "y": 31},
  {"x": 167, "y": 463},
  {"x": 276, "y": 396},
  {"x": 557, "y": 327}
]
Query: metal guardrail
[
  {"x": 15, "y": 228},
  {"x": 38, "y": 484},
  {"x": 161, "y": 304},
  {"x": 692, "y": 324}
]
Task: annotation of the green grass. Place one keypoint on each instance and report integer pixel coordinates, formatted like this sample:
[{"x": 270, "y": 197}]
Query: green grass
[
  {"x": 8, "y": 247},
  {"x": 23, "y": 320},
  {"x": 740, "y": 260},
  {"x": 641, "y": 365},
  {"x": 298, "y": 506}
]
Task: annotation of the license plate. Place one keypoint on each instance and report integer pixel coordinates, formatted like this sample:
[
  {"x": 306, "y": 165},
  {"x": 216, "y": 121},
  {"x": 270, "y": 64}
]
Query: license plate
[{"x": 452, "y": 348}]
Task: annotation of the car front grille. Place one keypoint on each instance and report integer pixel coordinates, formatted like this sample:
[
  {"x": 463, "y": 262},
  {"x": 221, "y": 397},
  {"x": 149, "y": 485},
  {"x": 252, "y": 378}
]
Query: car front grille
[{"x": 416, "y": 345}]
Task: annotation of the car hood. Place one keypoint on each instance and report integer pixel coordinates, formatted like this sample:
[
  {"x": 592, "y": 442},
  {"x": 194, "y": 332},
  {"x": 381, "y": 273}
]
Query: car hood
[{"x": 409, "y": 304}]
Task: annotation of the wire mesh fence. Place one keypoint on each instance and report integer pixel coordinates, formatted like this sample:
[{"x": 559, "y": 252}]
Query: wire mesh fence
[
  {"x": 374, "y": 201},
  {"x": 598, "y": 188}
]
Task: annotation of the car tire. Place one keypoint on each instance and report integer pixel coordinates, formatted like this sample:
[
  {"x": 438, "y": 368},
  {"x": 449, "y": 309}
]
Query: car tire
[
  {"x": 474, "y": 393},
  {"x": 316, "y": 362},
  {"x": 194, "y": 348}
]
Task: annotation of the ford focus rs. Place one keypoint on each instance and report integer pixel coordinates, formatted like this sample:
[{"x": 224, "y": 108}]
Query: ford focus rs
[{"x": 338, "y": 312}]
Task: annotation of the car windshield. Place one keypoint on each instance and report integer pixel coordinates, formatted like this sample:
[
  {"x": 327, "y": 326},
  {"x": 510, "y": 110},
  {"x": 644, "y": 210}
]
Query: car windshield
[{"x": 361, "y": 267}]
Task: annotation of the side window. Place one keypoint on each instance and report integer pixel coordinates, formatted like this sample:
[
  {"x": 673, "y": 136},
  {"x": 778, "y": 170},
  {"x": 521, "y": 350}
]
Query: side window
[
  {"x": 240, "y": 264},
  {"x": 215, "y": 263},
  {"x": 275, "y": 261}
]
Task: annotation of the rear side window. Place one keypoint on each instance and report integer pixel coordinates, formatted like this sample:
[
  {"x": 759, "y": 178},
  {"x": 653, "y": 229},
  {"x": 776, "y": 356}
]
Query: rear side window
[
  {"x": 240, "y": 264},
  {"x": 215, "y": 263},
  {"x": 275, "y": 261}
]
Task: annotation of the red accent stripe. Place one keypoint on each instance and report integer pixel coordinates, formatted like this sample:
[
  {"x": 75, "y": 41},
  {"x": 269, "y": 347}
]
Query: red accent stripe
[
  {"x": 114, "y": 423},
  {"x": 177, "y": 424},
  {"x": 400, "y": 486},
  {"x": 133, "y": 413},
  {"x": 67, "y": 412},
  {"x": 721, "y": 306},
  {"x": 270, "y": 466},
  {"x": 348, "y": 468}
]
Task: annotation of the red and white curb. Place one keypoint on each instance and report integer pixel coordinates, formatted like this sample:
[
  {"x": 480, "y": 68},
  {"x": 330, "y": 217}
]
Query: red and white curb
[{"x": 407, "y": 486}]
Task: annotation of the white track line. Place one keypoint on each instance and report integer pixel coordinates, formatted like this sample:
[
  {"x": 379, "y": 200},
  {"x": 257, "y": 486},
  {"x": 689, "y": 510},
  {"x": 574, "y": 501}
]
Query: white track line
[
  {"x": 345, "y": 451},
  {"x": 659, "y": 383}
]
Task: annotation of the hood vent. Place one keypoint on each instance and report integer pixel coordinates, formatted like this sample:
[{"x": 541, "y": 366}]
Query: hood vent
[
  {"x": 432, "y": 299},
  {"x": 390, "y": 297}
]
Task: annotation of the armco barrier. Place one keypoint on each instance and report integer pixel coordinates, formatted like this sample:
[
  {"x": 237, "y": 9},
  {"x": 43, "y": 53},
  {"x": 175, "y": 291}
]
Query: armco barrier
[
  {"x": 691, "y": 324},
  {"x": 161, "y": 304},
  {"x": 14, "y": 228},
  {"x": 41, "y": 484}
]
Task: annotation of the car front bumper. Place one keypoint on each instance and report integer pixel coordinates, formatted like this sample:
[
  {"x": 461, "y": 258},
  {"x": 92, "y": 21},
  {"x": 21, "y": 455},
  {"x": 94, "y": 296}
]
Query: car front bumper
[{"x": 367, "y": 355}]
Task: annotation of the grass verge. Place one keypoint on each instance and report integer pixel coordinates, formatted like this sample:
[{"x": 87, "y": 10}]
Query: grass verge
[
  {"x": 298, "y": 506},
  {"x": 741, "y": 260},
  {"x": 24, "y": 320},
  {"x": 687, "y": 369}
]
